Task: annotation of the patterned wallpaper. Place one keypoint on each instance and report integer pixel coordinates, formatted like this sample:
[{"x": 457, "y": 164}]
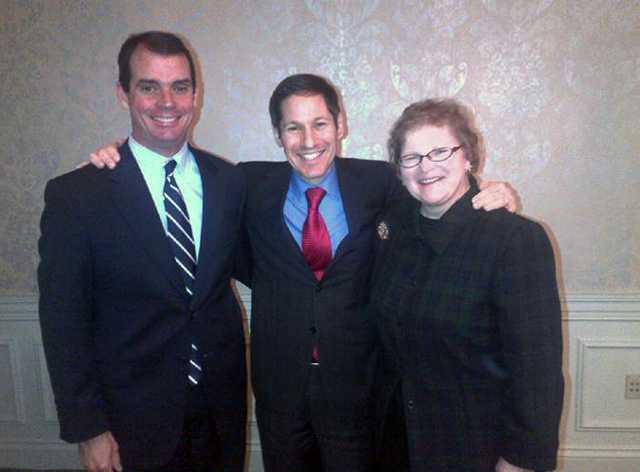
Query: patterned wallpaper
[{"x": 555, "y": 85}]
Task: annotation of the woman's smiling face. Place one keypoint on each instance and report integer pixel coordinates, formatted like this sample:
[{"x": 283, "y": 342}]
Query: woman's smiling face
[{"x": 437, "y": 185}]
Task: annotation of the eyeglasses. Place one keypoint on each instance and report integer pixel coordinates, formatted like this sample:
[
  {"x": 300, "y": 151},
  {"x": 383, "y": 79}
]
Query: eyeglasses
[{"x": 435, "y": 155}]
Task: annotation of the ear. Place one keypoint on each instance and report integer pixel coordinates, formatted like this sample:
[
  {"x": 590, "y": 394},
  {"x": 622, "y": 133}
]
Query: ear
[
  {"x": 342, "y": 126},
  {"x": 123, "y": 98},
  {"x": 276, "y": 136}
]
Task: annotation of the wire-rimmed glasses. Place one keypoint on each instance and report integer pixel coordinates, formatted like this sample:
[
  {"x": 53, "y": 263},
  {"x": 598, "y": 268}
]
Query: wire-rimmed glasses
[{"x": 435, "y": 155}]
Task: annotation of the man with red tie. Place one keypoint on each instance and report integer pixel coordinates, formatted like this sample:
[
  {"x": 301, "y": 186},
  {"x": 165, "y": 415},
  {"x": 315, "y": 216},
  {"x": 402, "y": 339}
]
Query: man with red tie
[{"x": 313, "y": 348}]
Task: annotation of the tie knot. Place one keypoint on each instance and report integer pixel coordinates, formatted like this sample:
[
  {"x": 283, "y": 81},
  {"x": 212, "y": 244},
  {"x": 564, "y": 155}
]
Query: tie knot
[
  {"x": 169, "y": 167},
  {"x": 315, "y": 196}
]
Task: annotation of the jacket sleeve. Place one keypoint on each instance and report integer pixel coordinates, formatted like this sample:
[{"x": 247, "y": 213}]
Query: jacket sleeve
[
  {"x": 394, "y": 185},
  {"x": 65, "y": 280},
  {"x": 243, "y": 259},
  {"x": 529, "y": 320}
]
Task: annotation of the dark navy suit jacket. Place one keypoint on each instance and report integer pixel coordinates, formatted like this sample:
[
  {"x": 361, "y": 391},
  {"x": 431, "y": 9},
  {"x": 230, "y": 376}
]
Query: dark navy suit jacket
[
  {"x": 116, "y": 322},
  {"x": 291, "y": 311}
]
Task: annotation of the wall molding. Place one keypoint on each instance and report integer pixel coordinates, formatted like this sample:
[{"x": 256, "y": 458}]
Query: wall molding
[
  {"x": 578, "y": 307},
  {"x": 601, "y": 307},
  {"x": 599, "y": 452},
  {"x": 19, "y": 308}
]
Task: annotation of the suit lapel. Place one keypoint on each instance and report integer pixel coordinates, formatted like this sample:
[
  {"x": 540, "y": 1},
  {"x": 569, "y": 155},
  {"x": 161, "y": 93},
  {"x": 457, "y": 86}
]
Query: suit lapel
[
  {"x": 353, "y": 192},
  {"x": 273, "y": 193},
  {"x": 213, "y": 204},
  {"x": 131, "y": 195}
]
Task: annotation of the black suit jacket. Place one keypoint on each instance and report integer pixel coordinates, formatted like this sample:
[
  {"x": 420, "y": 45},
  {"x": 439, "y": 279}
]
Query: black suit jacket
[
  {"x": 469, "y": 316},
  {"x": 291, "y": 310},
  {"x": 116, "y": 322}
]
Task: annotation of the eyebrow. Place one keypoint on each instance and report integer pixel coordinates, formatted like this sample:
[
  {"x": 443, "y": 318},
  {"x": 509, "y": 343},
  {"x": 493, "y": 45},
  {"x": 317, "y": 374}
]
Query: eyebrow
[
  {"x": 147, "y": 82},
  {"x": 155, "y": 82},
  {"x": 182, "y": 82},
  {"x": 298, "y": 122}
]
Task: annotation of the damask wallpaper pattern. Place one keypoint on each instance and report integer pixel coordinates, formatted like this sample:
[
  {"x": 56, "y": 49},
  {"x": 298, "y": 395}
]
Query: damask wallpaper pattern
[{"x": 555, "y": 86}]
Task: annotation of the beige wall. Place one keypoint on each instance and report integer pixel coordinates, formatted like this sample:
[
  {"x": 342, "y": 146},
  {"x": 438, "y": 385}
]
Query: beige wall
[{"x": 556, "y": 88}]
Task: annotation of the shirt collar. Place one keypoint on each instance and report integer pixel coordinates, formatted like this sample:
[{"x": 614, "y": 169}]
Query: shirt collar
[
  {"x": 439, "y": 233},
  {"x": 151, "y": 159},
  {"x": 299, "y": 186}
]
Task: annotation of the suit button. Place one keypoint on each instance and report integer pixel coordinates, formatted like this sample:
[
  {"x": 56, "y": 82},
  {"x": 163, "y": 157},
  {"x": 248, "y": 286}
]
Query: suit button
[
  {"x": 312, "y": 330},
  {"x": 410, "y": 405}
]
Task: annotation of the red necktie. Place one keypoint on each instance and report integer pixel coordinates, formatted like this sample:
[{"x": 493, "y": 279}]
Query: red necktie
[{"x": 316, "y": 244}]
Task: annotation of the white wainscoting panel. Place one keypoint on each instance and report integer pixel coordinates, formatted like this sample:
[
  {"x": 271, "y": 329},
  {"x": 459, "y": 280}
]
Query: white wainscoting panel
[
  {"x": 11, "y": 405},
  {"x": 601, "y": 403},
  {"x": 600, "y": 430},
  {"x": 46, "y": 394}
]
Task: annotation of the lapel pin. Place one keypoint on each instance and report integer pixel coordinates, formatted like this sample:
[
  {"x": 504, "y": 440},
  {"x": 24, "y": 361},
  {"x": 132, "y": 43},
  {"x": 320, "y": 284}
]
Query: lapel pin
[{"x": 383, "y": 230}]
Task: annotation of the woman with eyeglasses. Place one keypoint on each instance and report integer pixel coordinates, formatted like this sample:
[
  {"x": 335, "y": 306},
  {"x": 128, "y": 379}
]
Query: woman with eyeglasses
[{"x": 467, "y": 308}]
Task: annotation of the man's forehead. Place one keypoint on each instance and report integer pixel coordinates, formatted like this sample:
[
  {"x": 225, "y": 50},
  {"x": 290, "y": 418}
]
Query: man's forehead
[
  {"x": 302, "y": 103},
  {"x": 149, "y": 66},
  {"x": 147, "y": 59}
]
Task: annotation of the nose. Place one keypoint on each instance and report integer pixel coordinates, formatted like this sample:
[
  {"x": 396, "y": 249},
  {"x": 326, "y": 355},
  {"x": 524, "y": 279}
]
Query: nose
[
  {"x": 309, "y": 138},
  {"x": 166, "y": 98},
  {"x": 425, "y": 163}
]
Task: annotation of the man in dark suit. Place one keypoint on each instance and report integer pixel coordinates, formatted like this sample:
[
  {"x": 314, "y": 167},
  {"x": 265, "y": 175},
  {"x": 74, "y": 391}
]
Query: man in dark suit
[
  {"x": 142, "y": 333},
  {"x": 313, "y": 347}
]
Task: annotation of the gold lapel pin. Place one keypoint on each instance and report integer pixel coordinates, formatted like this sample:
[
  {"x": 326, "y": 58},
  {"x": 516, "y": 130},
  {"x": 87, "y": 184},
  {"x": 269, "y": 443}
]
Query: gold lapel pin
[{"x": 383, "y": 230}]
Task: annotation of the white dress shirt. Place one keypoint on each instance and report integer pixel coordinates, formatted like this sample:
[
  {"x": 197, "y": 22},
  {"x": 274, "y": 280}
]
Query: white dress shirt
[{"x": 187, "y": 177}]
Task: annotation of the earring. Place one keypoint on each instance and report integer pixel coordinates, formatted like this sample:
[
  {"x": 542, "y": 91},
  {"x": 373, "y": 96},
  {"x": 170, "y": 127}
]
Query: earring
[{"x": 467, "y": 166}]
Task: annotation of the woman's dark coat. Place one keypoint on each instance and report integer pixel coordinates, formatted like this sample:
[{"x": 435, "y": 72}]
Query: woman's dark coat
[{"x": 468, "y": 312}]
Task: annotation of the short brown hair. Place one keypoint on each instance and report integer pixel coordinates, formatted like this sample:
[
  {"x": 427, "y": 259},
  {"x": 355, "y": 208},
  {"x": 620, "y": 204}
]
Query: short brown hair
[
  {"x": 303, "y": 85},
  {"x": 158, "y": 42},
  {"x": 437, "y": 112}
]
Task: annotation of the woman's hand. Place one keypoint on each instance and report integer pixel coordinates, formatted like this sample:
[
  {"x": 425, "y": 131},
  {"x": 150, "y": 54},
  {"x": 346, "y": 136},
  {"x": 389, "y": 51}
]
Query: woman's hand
[
  {"x": 494, "y": 195},
  {"x": 106, "y": 156}
]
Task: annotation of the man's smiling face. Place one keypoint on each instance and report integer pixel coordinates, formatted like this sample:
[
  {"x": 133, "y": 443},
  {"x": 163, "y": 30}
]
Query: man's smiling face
[
  {"x": 309, "y": 136},
  {"x": 161, "y": 100}
]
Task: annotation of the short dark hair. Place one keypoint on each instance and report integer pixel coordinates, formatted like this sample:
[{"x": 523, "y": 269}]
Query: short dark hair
[
  {"x": 159, "y": 42},
  {"x": 437, "y": 112},
  {"x": 305, "y": 85}
]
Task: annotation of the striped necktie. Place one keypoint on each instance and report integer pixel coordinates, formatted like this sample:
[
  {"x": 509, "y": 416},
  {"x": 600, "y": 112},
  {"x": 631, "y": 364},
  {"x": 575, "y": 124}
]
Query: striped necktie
[{"x": 184, "y": 250}]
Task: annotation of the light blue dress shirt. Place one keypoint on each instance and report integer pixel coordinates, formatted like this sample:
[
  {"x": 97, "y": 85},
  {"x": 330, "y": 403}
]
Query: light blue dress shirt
[
  {"x": 187, "y": 177},
  {"x": 331, "y": 208}
]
